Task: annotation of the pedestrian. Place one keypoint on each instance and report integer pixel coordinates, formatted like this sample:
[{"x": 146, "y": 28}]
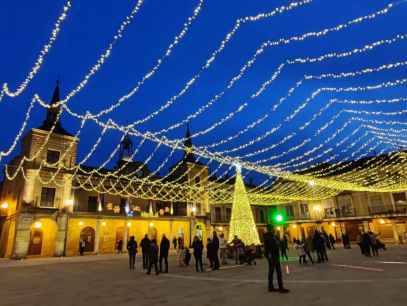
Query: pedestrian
[
  {"x": 299, "y": 246},
  {"x": 366, "y": 245},
  {"x": 164, "y": 249},
  {"x": 373, "y": 243},
  {"x": 236, "y": 248},
  {"x": 222, "y": 248},
  {"x": 332, "y": 240},
  {"x": 82, "y": 245},
  {"x": 215, "y": 242},
  {"x": 320, "y": 246},
  {"x": 284, "y": 247},
  {"x": 153, "y": 257},
  {"x": 309, "y": 248},
  {"x": 327, "y": 241},
  {"x": 272, "y": 253},
  {"x": 209, "y": 252},
  {"x": 119, "y": 246},
  {"x": 174, "y": 243},
  {"x": 197, "y": 246},
  {"x": 346, "y": 241},
  {"x": 187, "y": 257},
  {"x": 145, "y": 246},
  {"x": 132, "y": 250}
]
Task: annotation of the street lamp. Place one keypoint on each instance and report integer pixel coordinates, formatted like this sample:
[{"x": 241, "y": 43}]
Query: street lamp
[{"x": 4, "y": 205}]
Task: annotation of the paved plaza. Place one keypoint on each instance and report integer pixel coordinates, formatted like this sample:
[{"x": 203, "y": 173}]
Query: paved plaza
[{"x": 348, "y": 279}]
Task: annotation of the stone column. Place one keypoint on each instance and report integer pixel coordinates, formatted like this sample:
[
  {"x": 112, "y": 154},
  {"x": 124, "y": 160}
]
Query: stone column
[
  {"x": 62, "y": 232},
  {"x": 22, "y": 239},
  {"x": 395, "y": 232},
  {"x": 125, "y": 237},
  {"x": 97, "y": 236}
]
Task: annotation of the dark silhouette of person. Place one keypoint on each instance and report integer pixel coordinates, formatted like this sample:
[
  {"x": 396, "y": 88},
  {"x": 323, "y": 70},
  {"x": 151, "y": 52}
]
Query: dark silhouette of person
[
  {"x": 197, "y": 246},
  {"x": 119, "y": 246},
  {"x": 174, "y": 242},
  {"x": 215, "y": 243},
  {"x": 187, "y": 257},
  {"x": 145, "y": 246},
  {"x": 164, "y": 249},
  {"x": 272, "y": 253},
  {"x": 332, "y": 240},
  {"x": 319, "y": 245},
  {"x": 284, "y": 247},
  {"x": 209, "y": 252},
  {"x": 132, "y": 250},
  {"x": 153, "y": 257}
]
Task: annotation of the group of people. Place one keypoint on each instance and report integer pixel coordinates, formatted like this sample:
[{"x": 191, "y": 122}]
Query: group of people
[{"x": 370, "y": 244}]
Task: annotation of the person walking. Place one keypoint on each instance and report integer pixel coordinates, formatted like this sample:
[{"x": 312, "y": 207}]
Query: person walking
[
  {"x": 153, "y": 257},
  {"x": 309, "y": 248},
  {"x": 284, "y": 247},
  {"x": 272, "y": 253},
  {"x": 373, "y": 243},
  {"x": 209, "y": 253},
  {"x": 82, "y": 245},
  {"x": 215, "y": 243},
  {"x": 320, "y": 246},
  {"x": 132, "y": 250},
  {"x": 145, "y": 247},
  {"x": 174, "y": 243},
  {"x": 222, "y": 248},
  {"x": 236, "y": 248},
  {"x": 197, "y": 246},
  {"x": 164, "y": 249},
  {"x": 299, "y": 246},
  {"x": 365, "y": 241},
  {"x": 332, "y": 240}
]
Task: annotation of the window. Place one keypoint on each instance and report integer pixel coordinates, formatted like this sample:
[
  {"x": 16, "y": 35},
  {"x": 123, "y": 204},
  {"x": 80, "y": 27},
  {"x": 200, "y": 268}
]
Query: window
[
  {"x": 345, "y": 205},
  {"x": 400, "y": 198},
  {"x": 52, "y": 156},
  {"x": 376, "y": 203},
  {"x": 304, "y": 210},
  {"x": 289, "y": 211},
  {"x": 92, "y": 203},
  {"x": 218, "y": 214},
  {"x": 228, "y": 213},
  {"x": 262, "y": 218},
  {"x": 197, "y": 180},
  {"x": 47, "y": 197}
]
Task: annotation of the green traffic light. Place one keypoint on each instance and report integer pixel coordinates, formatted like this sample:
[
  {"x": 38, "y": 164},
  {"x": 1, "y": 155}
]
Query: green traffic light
[{"x": 279, "y": 218}]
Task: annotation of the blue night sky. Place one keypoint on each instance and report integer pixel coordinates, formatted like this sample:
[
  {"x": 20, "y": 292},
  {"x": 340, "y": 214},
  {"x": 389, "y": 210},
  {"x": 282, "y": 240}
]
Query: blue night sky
[{"x": 25, "y": 27}]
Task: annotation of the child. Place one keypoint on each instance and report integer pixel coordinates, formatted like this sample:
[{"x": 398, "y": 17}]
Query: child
[
  {"x": 299, "y": 246},
  {"x": 187, "y": 257}
]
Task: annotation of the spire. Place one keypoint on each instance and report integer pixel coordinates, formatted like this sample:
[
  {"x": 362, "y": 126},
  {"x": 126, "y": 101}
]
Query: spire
[
  {"x": 126, "y": 148},
  {"x": 188, "y": 154},
  {"x": 51, "y": 118}
]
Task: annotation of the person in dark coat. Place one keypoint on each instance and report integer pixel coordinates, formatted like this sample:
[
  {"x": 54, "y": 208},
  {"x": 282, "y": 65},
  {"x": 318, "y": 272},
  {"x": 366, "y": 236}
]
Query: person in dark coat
[
  {"x": 197, "y": 246},
  {"x": 187, "y": 257},
  {"x": 153, "y": 257},
  {"x": 272, "y": 253},
  {"x": 320, "y": 247},
  {"x": 209, "y": 252},
  {"x": 164, "y": 248},
  {"x": 174, "y": 243},
  {"x": 82, "y": 245},
  {"x": 332, "y": 241},
  {"x": 132, "y": 250},
  {"x": 215, "y": 242},
  {"x": 284, "y": 247},
  {"x": 365, "y": 244},
  {"x": 145, "y": 246}
]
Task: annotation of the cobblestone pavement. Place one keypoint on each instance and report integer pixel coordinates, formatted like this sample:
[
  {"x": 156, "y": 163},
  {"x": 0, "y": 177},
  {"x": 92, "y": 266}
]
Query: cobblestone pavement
[{"x": 348, "y": 279}]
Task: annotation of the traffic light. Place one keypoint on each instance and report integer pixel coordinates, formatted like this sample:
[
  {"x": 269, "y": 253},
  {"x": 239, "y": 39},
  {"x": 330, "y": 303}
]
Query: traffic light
[{"x": 277, "y": 217}]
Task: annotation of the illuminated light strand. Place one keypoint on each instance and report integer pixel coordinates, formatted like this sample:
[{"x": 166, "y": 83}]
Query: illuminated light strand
[
  {"x": 41, "y": 56},
  {"x": 106, "y": 54},
  {"x": 288, "y": 62}
]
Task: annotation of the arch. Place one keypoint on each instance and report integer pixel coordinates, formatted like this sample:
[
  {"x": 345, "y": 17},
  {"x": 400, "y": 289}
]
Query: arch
[
  {"x": 88, "y": 235},
  {"x": 35, "y": 246},
  {"x": 43, "y": 236}
]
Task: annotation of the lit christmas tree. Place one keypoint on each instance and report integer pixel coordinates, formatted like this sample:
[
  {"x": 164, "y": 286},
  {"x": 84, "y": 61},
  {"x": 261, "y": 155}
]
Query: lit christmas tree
[{"x": 242, "y": 222}]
